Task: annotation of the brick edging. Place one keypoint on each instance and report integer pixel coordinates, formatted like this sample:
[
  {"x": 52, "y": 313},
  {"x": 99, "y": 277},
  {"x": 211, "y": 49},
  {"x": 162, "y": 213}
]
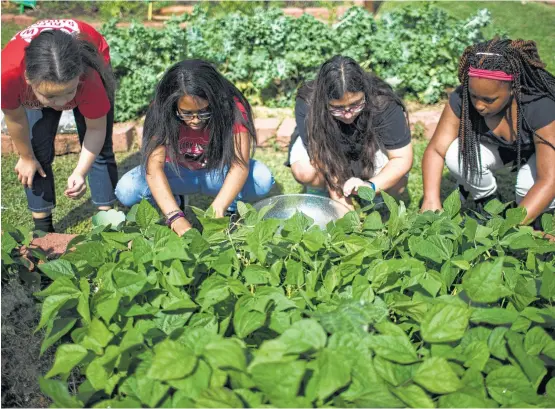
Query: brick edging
[{"x": 275, "y": 132}]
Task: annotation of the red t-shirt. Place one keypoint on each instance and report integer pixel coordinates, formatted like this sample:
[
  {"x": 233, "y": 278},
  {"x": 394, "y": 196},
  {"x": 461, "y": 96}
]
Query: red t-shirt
[
  {"x": 91, "y": 97},
  {"x": 192, "y": 143}
]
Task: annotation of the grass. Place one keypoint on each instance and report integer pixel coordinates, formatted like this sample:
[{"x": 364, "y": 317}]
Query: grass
[
  {"x": 530, "y": 21},
  {"x": 75, "y": 216},
  {"x": 8, "y": 30}
]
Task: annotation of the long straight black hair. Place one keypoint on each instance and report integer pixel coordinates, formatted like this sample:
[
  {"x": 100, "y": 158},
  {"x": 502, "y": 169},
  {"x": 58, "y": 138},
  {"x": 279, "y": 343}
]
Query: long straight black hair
[
  {"x": 197, "y": 78},
  {"x": 337, "y": 76},
  {"x": 58, "y": 57}
]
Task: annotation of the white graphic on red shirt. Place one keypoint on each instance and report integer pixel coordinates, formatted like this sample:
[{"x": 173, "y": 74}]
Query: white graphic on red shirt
[
  {"x": 67, "y": 26},
  {"x": 193, "y": 153}
]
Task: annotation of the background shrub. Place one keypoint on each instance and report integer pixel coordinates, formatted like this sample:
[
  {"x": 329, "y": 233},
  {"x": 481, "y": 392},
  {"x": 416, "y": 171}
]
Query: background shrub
[{"x": 268, "y": 54}]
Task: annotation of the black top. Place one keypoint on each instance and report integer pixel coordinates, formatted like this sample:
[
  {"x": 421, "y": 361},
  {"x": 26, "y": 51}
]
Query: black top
[
  {"x": 537, "y": 112},
  {"x": 391, "y": 126}
]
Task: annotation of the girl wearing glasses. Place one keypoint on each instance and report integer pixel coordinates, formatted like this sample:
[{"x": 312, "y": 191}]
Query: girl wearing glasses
[
  {"x": 50, "y": 67},
  {"x": 198, "y": 138},
  {"x": 353, "y": 132}
]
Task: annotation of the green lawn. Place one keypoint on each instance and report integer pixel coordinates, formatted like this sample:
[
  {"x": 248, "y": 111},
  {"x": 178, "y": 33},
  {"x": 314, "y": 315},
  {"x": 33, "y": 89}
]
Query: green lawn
[
  {"x": 8, "y": 30},
  {"x": 75, "y": 216},
  {"x": 530, "y": 21}
]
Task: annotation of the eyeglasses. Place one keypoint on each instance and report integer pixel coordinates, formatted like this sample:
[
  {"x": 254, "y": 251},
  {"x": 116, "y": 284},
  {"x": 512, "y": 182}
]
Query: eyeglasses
[
  {"x": 355, "y": 109},
  {"x": 202, "y": 116}
]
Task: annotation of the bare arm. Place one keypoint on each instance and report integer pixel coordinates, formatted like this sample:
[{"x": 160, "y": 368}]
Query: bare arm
[
  {"x": 236, "y": 176},
  {"x": 161, "y": 190},
  {"x": 542, "y": 192},
  {"x": 434, "y": 157},
  {"x": 92, "y": 145},
  {"x": 18, "y": 128},
  {"x": 400, "y": 163}
]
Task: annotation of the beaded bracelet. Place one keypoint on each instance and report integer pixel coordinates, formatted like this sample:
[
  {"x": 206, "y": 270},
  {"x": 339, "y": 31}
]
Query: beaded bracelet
[{"x": 174, "y": 217}]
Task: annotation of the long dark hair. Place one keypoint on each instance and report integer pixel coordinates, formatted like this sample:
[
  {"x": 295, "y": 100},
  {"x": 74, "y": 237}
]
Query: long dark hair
[
  {"x": 519, "y": 58},
  {"x": 337, "y": 76},
  {"x": 200, "y": 79},
  {"x": 59, "y": 57}
]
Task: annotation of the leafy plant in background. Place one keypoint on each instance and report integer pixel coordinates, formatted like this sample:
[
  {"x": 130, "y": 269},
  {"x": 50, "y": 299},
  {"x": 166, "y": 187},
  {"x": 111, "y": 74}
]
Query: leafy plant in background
[
  {"x": 419, "y": 310},
  {"x": 268, "y": 54}
]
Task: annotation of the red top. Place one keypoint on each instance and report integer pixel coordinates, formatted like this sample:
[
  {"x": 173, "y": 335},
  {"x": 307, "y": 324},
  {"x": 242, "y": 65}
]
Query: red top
[
  {"x": 91, "y": 97},
  {"x": 192, "y": 143}
]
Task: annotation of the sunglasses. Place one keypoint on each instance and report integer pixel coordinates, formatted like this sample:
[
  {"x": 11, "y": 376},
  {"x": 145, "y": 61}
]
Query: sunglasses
[
  {"x": 202, "y": 116},
  {"x": 355, "y": 109}
]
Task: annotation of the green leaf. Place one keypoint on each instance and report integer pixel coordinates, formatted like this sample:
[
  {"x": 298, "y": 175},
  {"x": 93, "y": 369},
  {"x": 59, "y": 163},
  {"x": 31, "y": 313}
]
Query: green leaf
[
  {"x": 67, "y": 357},
  {"x": 477, "y": 355},
  {"x": 413, "y": 396},
  {"x": 245, "y": 319},
  {"x": 393, "y": 373},
  {"x": 105, "y": 304},
  {"x": 465, "y": 400},
  {"x": 533, "y": 367},
  {"x": 484, "y": 282},
  {"x": 218, "y": 398},
  {"x": 128, "y": 282},
  {"x": 52, "y": 305},
  {"x": 255, "y": 274},
  {"x": 513, "y": 218},
  {"x": 172, "y": 360},
  {"x": 304, "y": 336},
  {"x": 278, "y": 379},
  {"x": 97, "y": 336},
  {"x": 435, "y": 248},
  {"x": 436, "y": 376},
  {"x": 57, "y": 268},
  {"x": 373, "y": 222},
  {"x": 452, "y": 205},
  {"x": 508, "y": 385},
  {"x": 366, "y": 193},
  {"x": 57, "y": 391},
  {"x": 55, "y": 330},
  {"x": 536, "y": 340},
  {"x": 395, "y": 348},
  {"x": 196, "y": 382},
  {"x": 332, "y": 373},
  {"x": 445, "y": 323},
  {"x": 495, "y": 207},
  {"x": 226, "y": 353},
  {"x": 495, "y": 316},
  {"x": 497, "y": 343},
  {"x": 146, "y": 215},
  {"x": 547, "y": 289}
]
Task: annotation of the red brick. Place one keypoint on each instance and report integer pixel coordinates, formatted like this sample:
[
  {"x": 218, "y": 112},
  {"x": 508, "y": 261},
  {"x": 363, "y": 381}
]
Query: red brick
[
  {"x": 161, "y": 18},
  {"x": 7, "y": 17},
  {"x": 95, "y": 24},
  {"x": 293, "y": 11},
  {"x": 7, "y": 145},
  {"x": 285, "y": 131},
  {"x": 320, "y": 13},
  {"x": 428, "y": 119},
  {"x": 339, "y": 11},
  {"x": 66, "y": 143},
  {"x": 177, "y": 10},
  {"x": 23, "y": 20},
  {"x": 266, "y": 128},
  {"x": 123, "y": 136}
]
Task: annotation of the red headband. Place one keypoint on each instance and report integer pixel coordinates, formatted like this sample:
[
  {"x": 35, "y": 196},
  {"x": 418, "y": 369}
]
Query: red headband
[{"x": 492, "y": 75}]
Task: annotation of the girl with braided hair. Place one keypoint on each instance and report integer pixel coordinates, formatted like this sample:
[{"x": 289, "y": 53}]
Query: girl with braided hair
[
  {"x": 503, "y": 113},
  {"x": 352, "y": 131}
]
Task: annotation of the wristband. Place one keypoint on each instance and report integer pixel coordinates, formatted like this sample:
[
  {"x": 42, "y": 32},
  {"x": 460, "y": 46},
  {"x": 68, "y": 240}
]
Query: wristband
[
  {"x": 372, "y": 185},
  {"x": 174, "y": 218},
  {"x": 172, "y": 212}
]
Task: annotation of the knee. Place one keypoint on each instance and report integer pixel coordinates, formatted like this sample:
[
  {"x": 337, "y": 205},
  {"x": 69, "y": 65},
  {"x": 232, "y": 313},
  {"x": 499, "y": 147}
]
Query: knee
[
  {"x": 453, "y": 159},
  {"x": 304, "y": 172},
  {"x": 263, "y": 179},
  {"x": 129, "y": 189}
]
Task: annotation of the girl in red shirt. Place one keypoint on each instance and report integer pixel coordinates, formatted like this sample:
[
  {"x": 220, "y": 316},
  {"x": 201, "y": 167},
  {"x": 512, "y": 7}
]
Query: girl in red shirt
[
  {"x": 52, "y": 66},
  {"x": 198, "y": 138}
]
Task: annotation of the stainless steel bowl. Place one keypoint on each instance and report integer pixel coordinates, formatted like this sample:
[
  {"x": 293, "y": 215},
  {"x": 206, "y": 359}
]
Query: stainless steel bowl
[{"x": 321, "y": 209}]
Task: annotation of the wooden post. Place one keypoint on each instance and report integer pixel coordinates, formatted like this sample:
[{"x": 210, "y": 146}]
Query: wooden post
[{"x": 149, "y": 16}]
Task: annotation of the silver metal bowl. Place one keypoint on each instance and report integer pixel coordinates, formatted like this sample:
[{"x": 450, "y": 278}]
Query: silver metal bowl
[{"x": 321, "y": 209}]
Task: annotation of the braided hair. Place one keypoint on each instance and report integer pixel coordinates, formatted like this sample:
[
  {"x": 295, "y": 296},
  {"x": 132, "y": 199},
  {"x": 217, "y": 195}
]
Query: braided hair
[{"x": 519, "y": 58}]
